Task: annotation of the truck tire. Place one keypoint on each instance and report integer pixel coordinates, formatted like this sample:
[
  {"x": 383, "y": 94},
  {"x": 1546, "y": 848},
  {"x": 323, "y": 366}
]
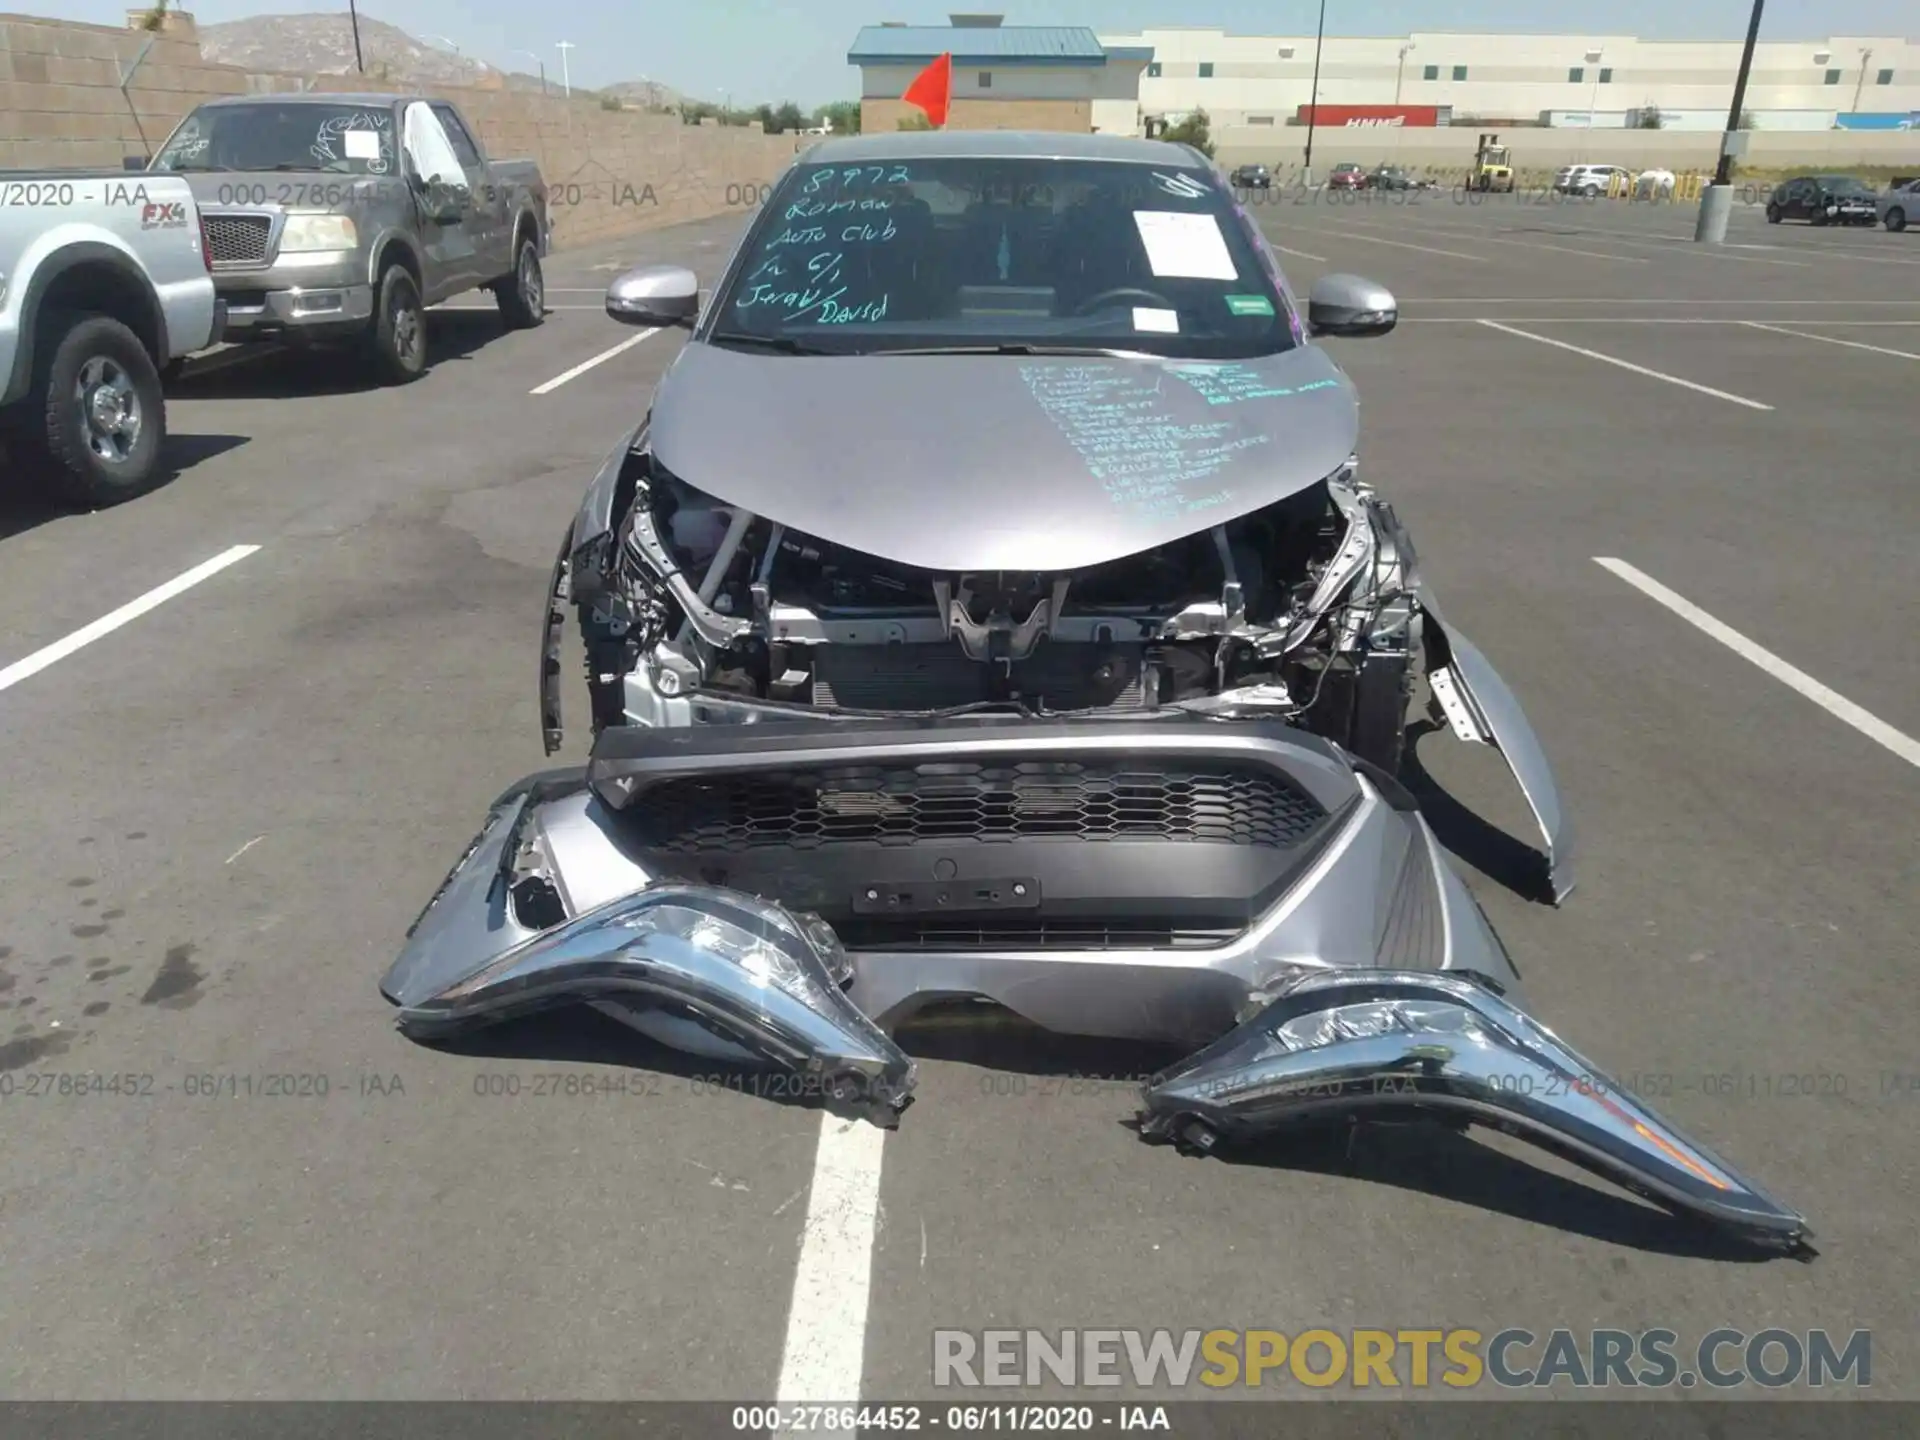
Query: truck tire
[
  {"x": 101, "y": 410},
  {"x": 397, "y": 343},
  {"x": 522, "y": 296}
]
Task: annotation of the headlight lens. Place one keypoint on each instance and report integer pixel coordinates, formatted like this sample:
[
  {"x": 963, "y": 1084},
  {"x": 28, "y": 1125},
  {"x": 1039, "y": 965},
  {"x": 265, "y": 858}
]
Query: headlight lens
[{"x": 318, "y": 232}]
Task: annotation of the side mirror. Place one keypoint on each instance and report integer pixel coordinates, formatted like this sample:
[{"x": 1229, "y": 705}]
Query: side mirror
[
  {"x": 1347, "y": 305},
  {"x": 133, "y": 162},
  {"x": 657, "y": 295}
]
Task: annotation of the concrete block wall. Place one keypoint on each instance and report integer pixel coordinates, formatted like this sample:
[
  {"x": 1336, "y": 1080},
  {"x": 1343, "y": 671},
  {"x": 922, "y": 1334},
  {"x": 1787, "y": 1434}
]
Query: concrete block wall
[{"x": 612, "y": 173}]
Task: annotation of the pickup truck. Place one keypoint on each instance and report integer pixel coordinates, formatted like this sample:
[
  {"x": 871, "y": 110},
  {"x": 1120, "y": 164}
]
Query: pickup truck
[
  {"x": 104, "y": 283},
  {"x": 342, "y": 218}
]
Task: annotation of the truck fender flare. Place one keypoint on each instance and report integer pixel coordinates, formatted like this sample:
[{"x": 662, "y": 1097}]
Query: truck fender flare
[
  {"x": 389, "y": 240},
  {"x": 50, "y": 269}
]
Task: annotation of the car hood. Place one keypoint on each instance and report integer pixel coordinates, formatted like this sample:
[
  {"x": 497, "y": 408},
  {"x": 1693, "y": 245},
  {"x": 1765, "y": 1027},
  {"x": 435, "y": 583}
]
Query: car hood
[{"x": 1001, "y": 462}]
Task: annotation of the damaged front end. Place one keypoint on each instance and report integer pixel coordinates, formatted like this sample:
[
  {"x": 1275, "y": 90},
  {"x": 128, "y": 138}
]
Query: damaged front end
[
  {"x": 1353, "y": 1045},
  {"x": 1152, "y": 798},
  {"x": 1309, "y": 610}
]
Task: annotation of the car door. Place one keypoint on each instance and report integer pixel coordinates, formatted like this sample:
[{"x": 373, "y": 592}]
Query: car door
[
  {"x": 444, "y": 204},
  {"x": 486, "y": 225},
  {"x": 1799, "y": 199}
]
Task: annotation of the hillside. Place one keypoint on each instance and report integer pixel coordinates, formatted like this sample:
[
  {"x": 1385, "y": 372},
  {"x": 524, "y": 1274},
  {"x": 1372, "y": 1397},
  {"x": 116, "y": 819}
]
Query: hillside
[{"x": 322, "y": 44}]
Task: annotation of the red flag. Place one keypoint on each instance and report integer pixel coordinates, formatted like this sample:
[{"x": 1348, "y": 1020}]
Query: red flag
[{"x": 932, "y": 90}]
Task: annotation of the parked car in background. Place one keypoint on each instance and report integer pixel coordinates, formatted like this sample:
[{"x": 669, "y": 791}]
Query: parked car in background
[
  {"x": 1898, "y": 204},
  {"x": 1347, "y": 177},
  {"x": 103, "y": 282},
  {"x": 1251, "y": 177},
  {"x": 1388, "y": 177},
  {"x": 1824, "y": 200},
  {"x": 1590, "y": 181},
  {"x": 338, "y": 218}
]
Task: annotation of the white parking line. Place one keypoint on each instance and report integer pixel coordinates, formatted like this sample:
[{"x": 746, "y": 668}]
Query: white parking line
[
  {"x": 1400, "y": 244},
  {"x": 1703, "y": 253},
  {"x": 1528, "y": 244},
  {"x": 1874, "y": 728},
  {"x": 586, "y": 365},
  {"x": 1627, "y": 365},
  {"x": 1832, "y": 340},
  {"x": 1301, "y": 254},
  {"x": 827, "y": 1320},
  {"x": 113, "y": 620}
]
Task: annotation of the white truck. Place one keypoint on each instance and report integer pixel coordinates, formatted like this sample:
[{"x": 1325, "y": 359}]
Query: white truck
[{"x": 105, "y": 282}]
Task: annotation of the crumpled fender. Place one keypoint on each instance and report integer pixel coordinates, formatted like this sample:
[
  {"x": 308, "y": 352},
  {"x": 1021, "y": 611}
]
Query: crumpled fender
[
  {"x": 1481, "y": 709},
  {"x": 1350, "y": 1044}
]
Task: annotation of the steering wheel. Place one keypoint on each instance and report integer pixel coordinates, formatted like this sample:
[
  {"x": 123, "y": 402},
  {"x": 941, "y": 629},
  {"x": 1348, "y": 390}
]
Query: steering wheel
[{"x": 1106, "y": 299}]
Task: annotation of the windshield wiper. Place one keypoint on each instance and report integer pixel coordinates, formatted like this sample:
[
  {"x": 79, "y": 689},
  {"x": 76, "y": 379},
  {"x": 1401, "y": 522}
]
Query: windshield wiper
[
  {"x": 786, "y": 345},
  {"x": 168, "y": 169},
  {"x": 1022, "y": 348}
]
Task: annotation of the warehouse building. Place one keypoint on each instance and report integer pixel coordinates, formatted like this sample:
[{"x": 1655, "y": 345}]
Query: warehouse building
[
  {"x": 1596, "y": 81},
  {"x": 1005, "y": 77}
]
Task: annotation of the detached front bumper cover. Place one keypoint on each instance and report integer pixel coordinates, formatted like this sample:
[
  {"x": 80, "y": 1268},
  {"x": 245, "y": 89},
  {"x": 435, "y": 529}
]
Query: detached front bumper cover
[
  {"x": 748, "y": 971},
  {"x": 1348, "y": 1044}
]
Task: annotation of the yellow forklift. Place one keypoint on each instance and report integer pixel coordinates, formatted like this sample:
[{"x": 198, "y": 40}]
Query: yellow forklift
[{"x": 1492, "y": 167}]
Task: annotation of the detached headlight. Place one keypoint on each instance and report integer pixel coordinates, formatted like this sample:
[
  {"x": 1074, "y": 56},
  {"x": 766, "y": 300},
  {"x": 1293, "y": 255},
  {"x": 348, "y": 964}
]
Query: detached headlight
[
  {"x": 1344, "y": 1044},
  {"x": 735, "y": 966},
  {"x": 318, "y": 232}
]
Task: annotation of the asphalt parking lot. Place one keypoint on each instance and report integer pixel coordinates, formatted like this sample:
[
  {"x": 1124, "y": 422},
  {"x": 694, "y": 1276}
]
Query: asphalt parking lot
[{"x": 223, "y": 813}]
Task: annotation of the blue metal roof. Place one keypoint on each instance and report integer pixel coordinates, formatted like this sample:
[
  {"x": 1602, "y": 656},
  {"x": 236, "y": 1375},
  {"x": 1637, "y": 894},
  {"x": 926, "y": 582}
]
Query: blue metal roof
[{"x": 882, "y": 44}]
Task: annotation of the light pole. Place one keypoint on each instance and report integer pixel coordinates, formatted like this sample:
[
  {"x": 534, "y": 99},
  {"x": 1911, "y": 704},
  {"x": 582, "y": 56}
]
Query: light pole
[
  {"x": 541, "y": 63},
  {"x": 353, "y": 13},
  {"x": 1313, "y": 102},
  {"x": 1716, "y": 202},
  {"x": 1399, "y": 78},
  {"x": 566, "y": 81}
]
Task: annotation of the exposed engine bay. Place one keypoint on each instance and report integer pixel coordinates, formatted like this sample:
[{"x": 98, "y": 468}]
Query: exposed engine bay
[{"x": 1304, "y": 610}]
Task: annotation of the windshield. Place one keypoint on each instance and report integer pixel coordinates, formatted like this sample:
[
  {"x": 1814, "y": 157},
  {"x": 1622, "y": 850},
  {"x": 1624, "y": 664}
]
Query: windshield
[
  {"x": 1843, "y": 185},
  {"x": 970, "y": 252},
  {"x": 332, "y": 139}
]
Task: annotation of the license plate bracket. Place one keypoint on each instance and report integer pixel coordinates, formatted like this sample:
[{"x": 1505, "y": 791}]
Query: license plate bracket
[{"x": 947, "y": 897}]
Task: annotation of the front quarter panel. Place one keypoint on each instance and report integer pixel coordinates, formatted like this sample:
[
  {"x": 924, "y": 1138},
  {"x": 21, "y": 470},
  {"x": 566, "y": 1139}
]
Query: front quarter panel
[{"x": 1481, "y": 708}]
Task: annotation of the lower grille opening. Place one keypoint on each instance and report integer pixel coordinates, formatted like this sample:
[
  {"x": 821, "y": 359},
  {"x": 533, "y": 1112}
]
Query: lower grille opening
[
  {"x": 881, "y": 933},
  {"x": 964, "y": 801}
]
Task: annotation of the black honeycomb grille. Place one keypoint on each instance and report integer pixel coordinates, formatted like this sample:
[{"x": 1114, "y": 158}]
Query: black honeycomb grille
[{"x": 1033, "y": 800}]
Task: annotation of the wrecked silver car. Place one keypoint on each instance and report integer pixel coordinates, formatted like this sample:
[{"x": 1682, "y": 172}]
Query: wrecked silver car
[{"x": 993, "y": 607}]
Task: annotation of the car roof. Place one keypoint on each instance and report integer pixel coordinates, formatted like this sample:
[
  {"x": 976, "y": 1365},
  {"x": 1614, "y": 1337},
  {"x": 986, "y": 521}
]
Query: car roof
[
  {"x": 313, "y": 98},
  {"x": 994, "y": 145}
]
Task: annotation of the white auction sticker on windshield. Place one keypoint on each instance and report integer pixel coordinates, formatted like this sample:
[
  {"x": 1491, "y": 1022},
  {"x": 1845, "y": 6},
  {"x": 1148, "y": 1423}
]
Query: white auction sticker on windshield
[
  {"x": 1157, "y": 322},
  {"x": 1182, "y": 245},
  {"x": 363, "y": 144}
]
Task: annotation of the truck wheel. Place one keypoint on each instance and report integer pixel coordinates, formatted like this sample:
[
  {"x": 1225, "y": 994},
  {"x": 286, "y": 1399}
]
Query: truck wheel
[
  {"x": 397, "y": 344},
  {"x": 104, "y": 412},
  {"x": 1896, "y": 219},
  {"x": 523, "y": 295}
]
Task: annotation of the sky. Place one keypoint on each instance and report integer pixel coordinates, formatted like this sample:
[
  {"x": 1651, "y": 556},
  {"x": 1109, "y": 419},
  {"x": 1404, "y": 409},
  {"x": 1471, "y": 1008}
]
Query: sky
[{"x": 748, "y": 51}]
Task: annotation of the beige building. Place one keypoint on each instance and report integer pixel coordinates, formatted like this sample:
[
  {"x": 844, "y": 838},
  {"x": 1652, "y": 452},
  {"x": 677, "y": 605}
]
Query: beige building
[
  {"x": 1005, "y": 77},
  {"x": 1853, "y": 82}
]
